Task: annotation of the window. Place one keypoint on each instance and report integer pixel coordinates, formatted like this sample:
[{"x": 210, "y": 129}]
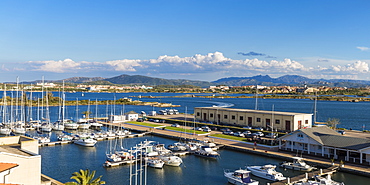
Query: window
[
  {"x": 241, "y": 118},
  {"x": 320, "y": 147},
  {"x": 198, "y": 114},
  {"x": 300, "y": 135},
  {"x": 225, "y": 116},
  {"x": 232, "y": 117},
  {"x": 258, "y": 119},
  {"x": 277, "y": 121},
  {"x": 306, "y": 122},
  {"x": 211, "y": 115}
]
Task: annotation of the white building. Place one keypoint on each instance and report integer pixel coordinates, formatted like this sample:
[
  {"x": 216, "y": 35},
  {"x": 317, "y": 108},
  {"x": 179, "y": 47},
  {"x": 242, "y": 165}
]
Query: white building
[
  {"x": 325, "y": 142},
  {"x": 288, "y": 121},
  {"x": 129, "y": 116},
  {"x": 20, "y": 162}
]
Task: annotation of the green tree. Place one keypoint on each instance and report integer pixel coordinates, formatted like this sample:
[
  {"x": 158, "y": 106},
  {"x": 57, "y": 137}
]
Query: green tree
[{"x": 84, "y": 177}]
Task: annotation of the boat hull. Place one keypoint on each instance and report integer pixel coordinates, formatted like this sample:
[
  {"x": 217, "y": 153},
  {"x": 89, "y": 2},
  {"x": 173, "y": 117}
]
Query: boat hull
[{"x": 88, "y": 143}]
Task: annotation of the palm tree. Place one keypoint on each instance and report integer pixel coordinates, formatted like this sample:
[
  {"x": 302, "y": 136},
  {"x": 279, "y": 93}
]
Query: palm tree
[{"x": 84, "y": 177}]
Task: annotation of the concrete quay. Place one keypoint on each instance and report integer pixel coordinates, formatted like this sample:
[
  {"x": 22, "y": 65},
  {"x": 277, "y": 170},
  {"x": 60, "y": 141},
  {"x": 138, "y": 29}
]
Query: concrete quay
[{"x": 267, "y": 151}]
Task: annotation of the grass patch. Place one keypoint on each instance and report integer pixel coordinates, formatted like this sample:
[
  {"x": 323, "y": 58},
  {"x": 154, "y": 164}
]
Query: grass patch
[
  {"x": 230, "y": 137},
  {"x": 145, "y": 124},
  {"x": 185, "y": 130}
]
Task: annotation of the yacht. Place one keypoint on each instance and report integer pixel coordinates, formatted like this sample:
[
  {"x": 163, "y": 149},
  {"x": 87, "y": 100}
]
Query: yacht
[
  {"x": 5, "y": 130},
  {"x": 154, "y": 162},
  {"x": 86, "y": 142},
  {"x": 58, "y": 125},
  {"x": 266, "y": 172},
  {"x": 69, "y": 124},
  {"x": 206, "y": 151},
  {"x": 171, "y": 160},
  {"x": 239, "y": 177},
  {"x": 45, "y": 126},
  {"x": 327, "y": 180},
  {"x": 297, "y": 164},
  {"x": 83, "y": 124}
]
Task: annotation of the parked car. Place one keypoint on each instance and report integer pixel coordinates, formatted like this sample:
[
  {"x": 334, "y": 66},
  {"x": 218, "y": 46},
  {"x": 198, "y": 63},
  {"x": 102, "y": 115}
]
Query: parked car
[
  {"x": 259, "y": 134},
  {"x": 259, "y": 128},
  {"x": 247, "y": 132},
  {"x": 228, "y": 132},
  {"x": 140, "y": 119},
  {"x": 248, "y": 127},
  {"x": 271, "y": 135},
  {"x": 207, "y": 129},
  {"x": 239, "y": 134},
  {"x": 198, "y": 128},
  {"x": 224, "y": 129},
  {"x": 341, "y": 132},
  {"x": 175, "y": 125}
]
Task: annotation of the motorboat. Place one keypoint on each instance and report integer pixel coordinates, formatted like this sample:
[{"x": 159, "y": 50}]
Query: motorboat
[
  {"x": 83, "y": 124},
  {"x": 171, "y": 160},
  {"x": 266, "y": 172},
  {"x": 206, "y": 151},
  {"x": 85, "y": 142},
  {"x": 69, "y": 124},
  {"x": 4, "y": 130},
  {"x": 46, "y": 127},
  {"x": 297, "y": 164},
  {"x": 161, "y": 149},
  {"x": 327, "y": 180},
  {"x": 177, "y": 147},
  {"x": 240, "y": 177},
  {"x": 58, "y": 126},
  {"x": 154, "y": 162}
]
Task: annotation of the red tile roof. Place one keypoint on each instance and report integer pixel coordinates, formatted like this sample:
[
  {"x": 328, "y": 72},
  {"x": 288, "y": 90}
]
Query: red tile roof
[{"x": 7, "y": 166}]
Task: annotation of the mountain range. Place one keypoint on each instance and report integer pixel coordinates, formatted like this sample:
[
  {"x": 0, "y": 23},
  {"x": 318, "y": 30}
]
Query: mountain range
[{"x": 295, "y": 80}]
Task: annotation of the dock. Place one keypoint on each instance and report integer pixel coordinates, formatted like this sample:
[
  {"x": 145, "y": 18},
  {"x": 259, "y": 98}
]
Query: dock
[
  {"x": 307, "y": 176},
  {"x": 98, "y": 139}
]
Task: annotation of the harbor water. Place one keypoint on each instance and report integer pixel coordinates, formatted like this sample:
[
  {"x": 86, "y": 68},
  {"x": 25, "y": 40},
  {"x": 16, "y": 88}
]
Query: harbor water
[{"x": 61, "y": 161}]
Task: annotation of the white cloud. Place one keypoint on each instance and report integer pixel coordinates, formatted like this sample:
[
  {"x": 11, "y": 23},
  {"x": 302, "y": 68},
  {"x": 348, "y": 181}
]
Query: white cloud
[
  {"x": 357, "y": 67},
  {"x": 203, "y": 65},
  {"x": 363, "y": 48},
  {"x": 124, "y": 65},
  {"x": 60, "y": 66}
]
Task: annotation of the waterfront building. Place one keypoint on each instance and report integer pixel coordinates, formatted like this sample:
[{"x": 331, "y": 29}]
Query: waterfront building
[
  {"x": 283, "y": 121},
  {"x": 326, "y": 142},
  {"x": 129, "y": 116},
  {"x": 23, "y": 152}
]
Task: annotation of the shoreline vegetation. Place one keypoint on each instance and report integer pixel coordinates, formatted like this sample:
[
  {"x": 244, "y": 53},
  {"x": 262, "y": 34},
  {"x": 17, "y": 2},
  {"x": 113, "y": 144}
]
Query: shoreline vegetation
[{"x": 56, "y": 101}]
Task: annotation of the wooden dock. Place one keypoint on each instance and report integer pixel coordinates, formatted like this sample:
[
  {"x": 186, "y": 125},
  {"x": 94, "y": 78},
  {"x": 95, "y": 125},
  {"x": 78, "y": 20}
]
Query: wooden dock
[
  {"x": 98, "y": 139},
  {"x": 308, "y": 175}
]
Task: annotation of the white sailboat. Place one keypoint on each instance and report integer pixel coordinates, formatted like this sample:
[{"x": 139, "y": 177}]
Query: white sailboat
[
  {"x": 4, "y": 126},
  {"x": 19, "y": 125}
]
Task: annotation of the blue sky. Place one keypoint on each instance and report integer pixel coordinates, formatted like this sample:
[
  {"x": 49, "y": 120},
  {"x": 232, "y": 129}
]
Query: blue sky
[{"x": 198, "y": 40}]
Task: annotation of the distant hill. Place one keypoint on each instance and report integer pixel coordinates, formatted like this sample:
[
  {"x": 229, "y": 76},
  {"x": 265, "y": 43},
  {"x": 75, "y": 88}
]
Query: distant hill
[
  {"x": 294, "y": 80},
  {"x": 290, "y": 80},
  {"x": 145, "y": 80}
]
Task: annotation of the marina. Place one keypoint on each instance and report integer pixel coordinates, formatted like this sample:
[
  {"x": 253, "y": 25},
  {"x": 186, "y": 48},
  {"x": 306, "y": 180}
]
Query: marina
[{"x": 169, "y": 138}]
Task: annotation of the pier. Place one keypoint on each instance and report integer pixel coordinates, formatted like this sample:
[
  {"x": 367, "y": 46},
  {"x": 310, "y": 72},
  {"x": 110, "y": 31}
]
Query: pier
[
  {"x": 98, "y": 139},
  {"x": 307, "y": 176},
  {"x": 267, "y": 151}
]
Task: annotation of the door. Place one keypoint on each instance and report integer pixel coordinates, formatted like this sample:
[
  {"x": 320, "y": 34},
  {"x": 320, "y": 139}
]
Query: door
[
  {"x": 250, "y": 121},
  {"x": 205, "y": 116},
  {"x": 299, "y": 124},
  {"x": 268, "y": 123},
  {"x": 287, "y": 125}
]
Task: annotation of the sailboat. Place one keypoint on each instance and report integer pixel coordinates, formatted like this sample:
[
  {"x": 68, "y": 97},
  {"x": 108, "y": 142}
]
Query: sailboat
[
  {"x": 4, "y": 127},
  {"x": 69, "y": 124},
  {"x": 19, "y": 126},
  {"x": 45, "y": 123},
  {"x": 59, "y": 125},
  {"x": 95, "y": 123}
]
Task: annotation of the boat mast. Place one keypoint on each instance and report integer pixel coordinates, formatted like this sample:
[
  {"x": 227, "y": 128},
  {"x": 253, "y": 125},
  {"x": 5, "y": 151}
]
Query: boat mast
[
  {"x": 315, "y": 106},
  {"x": 256, "y": 105}
]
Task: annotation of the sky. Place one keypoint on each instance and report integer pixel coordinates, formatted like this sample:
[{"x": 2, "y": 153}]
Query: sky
[{"x": 189, "y": 39}]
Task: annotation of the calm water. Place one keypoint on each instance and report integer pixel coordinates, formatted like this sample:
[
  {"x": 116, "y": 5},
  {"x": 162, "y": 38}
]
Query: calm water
[{"x": 60, "y": 162}]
